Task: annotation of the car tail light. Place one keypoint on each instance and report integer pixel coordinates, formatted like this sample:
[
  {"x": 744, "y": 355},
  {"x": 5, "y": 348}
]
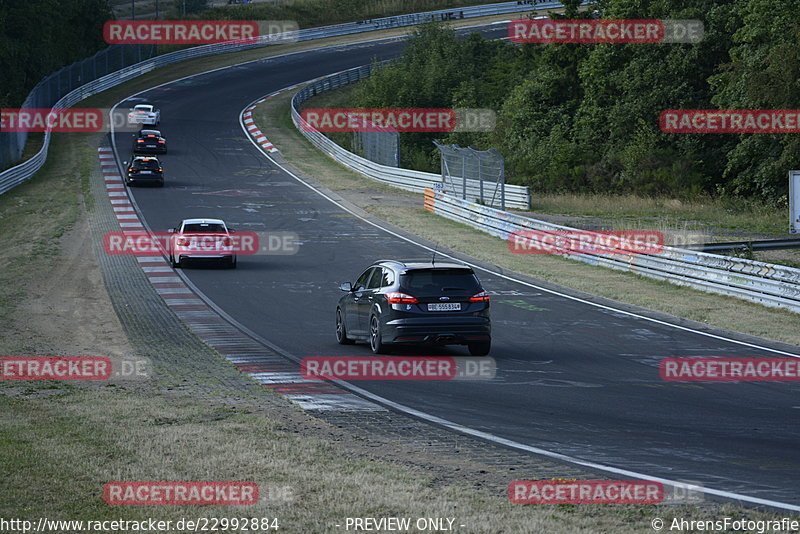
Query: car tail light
[
  {"x": 483, "y": 296},
  {"x": 161, "y": 141},
  {"x": 183, "y": 242},
  {"x": 139, "y": 141},
  {"x": 160, "y": 169},
  {"x": 226, "y": 242},
  {"x": 130, "y": 169},
  {"x": 400, "y": 298}
]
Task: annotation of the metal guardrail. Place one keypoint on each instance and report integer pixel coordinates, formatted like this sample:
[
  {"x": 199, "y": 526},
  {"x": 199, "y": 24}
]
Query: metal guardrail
[
  {"x": 515, "y": 196},
  {"x": 764, "y": 283},
  {"x": 743, "y": 246},
  {"x": 18, "y": 174}
]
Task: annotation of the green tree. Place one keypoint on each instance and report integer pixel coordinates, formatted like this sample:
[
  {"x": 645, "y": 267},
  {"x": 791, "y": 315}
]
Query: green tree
[
  {"x": 763, "y": 73},
  {"x": 38, "y": 37}
]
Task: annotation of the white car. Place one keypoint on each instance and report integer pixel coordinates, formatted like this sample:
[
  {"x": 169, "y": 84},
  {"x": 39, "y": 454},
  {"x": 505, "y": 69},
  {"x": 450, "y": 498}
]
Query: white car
[
  {"x": 144, "y": 114},
  {"x": 203, "y": 240}
]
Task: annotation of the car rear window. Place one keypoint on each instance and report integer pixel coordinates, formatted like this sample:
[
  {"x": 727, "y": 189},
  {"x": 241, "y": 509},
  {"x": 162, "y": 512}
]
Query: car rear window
[
  {"x": 145, "y": 164},
  {"x": 203, "y": 227},
  {"x": 431, "y": 282}
]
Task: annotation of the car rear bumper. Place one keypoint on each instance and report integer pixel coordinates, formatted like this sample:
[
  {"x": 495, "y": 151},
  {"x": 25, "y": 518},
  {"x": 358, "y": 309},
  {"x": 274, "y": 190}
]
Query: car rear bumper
[
  {"x": 205, "y": 257},
  {"x": 146, "y": 179},
  {"x": 438, "y": 331},
  {"x": 147, "y": 150}
]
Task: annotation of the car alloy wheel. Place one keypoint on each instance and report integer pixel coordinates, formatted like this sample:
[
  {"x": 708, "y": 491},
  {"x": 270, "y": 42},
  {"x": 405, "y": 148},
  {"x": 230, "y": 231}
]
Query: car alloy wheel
[
  {"x": 375, "y": 342},
  {"x": 341, "y": 330}
]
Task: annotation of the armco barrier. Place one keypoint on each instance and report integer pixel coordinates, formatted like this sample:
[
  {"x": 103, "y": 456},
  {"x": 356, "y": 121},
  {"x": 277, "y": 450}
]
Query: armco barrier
[
  {"x": 764, "y": 283},
  {"x": 515, "y": 196},
  {"x": 18, "y": 174}
]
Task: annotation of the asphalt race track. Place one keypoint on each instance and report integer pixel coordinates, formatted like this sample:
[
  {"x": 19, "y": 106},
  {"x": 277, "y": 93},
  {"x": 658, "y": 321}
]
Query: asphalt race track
[{"x": 573, "y": 378}]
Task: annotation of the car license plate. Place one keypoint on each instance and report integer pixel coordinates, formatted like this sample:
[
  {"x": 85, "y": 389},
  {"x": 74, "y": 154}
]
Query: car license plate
[
  {"x": 444, "y": 306},
  {"x": 146, "y": 172}
]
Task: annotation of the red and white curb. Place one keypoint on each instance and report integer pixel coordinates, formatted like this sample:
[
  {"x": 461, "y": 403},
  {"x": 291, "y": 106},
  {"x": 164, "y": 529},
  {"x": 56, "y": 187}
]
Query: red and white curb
[
  {"x": 261, "y": 139},
  {"x": 270, "y": 370},
  {"x": 117, "y": 192}
]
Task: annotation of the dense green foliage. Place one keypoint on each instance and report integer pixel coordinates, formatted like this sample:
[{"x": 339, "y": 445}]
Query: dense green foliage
[
  {"x": 584, "y": 117},
  {"x": 38, "y": 37}
]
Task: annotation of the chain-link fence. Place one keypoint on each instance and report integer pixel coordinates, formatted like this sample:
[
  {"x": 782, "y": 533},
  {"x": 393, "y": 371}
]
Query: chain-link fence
[
  {"x": 381, "y": 145},
  {"x": 464, "y": 168},
  {"x": 48, "y": 91}
]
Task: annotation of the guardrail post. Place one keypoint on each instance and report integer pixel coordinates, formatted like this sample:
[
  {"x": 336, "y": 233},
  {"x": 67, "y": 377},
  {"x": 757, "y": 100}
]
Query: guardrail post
[
  {"x": 480, "y": 179},
  {"x": 503, "y": 186},
  {"x": 463, "y": 177}
]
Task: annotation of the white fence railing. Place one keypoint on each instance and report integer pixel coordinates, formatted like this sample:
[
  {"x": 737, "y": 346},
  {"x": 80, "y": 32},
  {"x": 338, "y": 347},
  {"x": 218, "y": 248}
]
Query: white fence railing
[
  {"x": 764, "y": 283},
  {"x": 516, "y": 196},
  {"x": 18, "y": 174}
]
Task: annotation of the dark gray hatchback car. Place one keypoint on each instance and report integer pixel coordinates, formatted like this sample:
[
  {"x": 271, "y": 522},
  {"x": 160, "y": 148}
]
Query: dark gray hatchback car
[{"x": 415, "y": 302}]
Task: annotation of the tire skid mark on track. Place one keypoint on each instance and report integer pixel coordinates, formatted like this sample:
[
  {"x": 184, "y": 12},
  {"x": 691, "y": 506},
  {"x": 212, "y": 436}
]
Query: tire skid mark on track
[{"x": 271, "y": 371}]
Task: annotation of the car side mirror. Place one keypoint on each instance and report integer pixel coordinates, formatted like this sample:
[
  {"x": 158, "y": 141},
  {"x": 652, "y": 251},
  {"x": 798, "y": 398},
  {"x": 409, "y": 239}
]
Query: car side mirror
[{"x": 347, "y": 286}]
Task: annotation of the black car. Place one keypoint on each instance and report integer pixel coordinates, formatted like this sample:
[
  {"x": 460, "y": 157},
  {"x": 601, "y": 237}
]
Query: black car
[
  {"x": 149, "y": 142},
  {"x": 145, "y": 169},
  {"x": 415, "y": 302}
]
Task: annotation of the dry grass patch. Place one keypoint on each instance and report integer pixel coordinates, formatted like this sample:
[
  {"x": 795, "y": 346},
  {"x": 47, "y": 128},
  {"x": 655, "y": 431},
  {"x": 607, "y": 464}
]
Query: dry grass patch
[{"x": 56, "y": 454}]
